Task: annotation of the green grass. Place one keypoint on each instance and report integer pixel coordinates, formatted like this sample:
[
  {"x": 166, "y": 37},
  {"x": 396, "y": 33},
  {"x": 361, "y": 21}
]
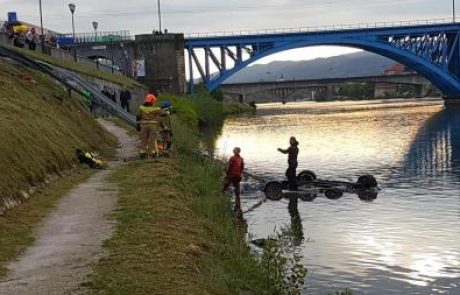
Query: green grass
[
  {"x": 233, "y": 108},
  {"x": 175, "y": 232},
  {"x": 17, "y": 225},
  {"x": 79, "y": 68},
  {"x": 175, "y": 235},
  {"x": 40, "y": 128}
]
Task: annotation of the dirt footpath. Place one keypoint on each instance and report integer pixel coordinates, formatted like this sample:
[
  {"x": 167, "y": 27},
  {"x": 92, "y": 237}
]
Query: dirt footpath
[{"x": 71, "y": 238}]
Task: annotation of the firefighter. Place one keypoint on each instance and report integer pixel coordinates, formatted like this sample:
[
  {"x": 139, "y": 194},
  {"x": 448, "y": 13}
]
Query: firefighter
[{"x": 148, "y": 119}]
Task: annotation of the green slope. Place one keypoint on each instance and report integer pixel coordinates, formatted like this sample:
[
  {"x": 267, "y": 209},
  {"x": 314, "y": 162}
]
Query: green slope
[{"x": 40, "y": 128}]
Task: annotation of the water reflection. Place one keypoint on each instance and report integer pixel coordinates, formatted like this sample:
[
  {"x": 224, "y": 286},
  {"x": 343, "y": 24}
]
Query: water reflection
[
  {"x": 436, "y": 148},
  {"x": 405, "y": 241},
  {"x": 296, "y": 221}
]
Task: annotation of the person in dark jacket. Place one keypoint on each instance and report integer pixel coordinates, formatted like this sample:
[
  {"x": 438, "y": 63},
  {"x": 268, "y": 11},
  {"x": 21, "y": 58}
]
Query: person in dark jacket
[
  {"x": 125, "y": 98},
  {"x": 234, "y": 172},
  {"x": 292, "y": 151},
  {"x": 109, "y": 93}
]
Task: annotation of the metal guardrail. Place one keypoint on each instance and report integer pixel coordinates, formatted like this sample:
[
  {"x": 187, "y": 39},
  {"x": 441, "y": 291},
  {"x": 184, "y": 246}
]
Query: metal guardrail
[
  {"x": 69, "y": 56},
  {"x": 72, "y": 81},
  {"x": 328, "y": 28}
]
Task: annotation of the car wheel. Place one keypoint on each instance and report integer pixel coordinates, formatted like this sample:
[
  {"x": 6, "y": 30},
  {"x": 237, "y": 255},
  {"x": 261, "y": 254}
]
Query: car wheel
[{"x": 273, "y": 191}]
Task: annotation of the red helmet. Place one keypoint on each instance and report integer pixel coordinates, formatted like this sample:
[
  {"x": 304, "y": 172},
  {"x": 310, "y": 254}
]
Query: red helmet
[{"x": 150, "y": 98}]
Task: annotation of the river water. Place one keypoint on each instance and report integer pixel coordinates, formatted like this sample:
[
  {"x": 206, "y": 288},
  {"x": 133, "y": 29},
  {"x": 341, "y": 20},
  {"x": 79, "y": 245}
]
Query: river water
[{"x": 407, "y": 241}]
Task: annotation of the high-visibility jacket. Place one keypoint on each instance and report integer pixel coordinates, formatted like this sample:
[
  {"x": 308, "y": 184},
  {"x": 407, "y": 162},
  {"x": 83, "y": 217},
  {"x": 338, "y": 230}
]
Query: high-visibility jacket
[
  {"x": 93, "y": 158},
  {"x": 149, "y": 114}
]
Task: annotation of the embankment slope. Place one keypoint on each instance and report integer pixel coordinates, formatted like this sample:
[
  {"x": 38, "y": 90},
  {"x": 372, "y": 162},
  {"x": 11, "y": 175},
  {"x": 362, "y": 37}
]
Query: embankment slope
[{"x": 40, "y": 128}]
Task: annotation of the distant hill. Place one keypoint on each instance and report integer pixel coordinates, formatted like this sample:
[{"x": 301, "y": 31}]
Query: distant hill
[{"x": 358, "y": 64}]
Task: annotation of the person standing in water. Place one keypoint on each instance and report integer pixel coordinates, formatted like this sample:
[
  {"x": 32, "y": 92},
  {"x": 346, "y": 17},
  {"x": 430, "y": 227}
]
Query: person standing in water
[
  {"x": 234, "y": 176},
  {"x": 292, "y": 151}
]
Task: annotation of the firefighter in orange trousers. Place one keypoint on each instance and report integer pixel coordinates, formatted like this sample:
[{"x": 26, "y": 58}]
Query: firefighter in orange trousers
[{"x": 148, "y": 120}]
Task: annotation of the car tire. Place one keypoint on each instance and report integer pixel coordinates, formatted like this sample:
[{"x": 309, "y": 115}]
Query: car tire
[
  {"x": 367, "y": 181},
  {"x": 273, "y": 191},
  {"x": 306, "y": 176},
  {"x": 333, "y": 194}
]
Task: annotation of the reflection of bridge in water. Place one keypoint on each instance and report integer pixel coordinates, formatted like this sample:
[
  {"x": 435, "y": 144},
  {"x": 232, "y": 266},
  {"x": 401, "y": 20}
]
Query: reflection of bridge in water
[{"x": 436, "y": 149}]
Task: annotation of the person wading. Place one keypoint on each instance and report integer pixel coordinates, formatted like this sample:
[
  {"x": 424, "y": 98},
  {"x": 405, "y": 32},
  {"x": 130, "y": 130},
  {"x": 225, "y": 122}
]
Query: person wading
[
  {"x": 234, "y": 172},
  {"x": 292, "y": 152},
  {"x": 148, "y": 118}
]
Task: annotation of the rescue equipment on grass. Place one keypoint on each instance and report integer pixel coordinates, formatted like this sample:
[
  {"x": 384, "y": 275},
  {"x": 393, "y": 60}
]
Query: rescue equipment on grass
[{"x": 89, "y": 159}]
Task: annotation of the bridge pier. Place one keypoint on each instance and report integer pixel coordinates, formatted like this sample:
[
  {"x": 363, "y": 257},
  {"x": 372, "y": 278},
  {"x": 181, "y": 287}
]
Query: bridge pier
[{"x": 162, "y": 56}]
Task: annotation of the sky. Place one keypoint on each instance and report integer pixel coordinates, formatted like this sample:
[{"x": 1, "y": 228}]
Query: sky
[{"x": 201, "y": 16}]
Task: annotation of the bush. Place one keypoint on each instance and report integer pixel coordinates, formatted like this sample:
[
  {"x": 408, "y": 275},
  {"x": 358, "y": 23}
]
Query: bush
[
  {"x": 184, "y": 108},
  {"x": 184, "y": 137},
  {"x": 281, "y": 264},
  {"x": 234, "y": 108},
  {"x": 210, "y": 111}
]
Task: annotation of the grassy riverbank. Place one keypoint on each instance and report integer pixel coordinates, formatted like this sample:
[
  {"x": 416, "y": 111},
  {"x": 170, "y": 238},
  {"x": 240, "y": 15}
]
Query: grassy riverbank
[
  {"x": 40, "y": 128},
  {"x": 175, "y": 232}
]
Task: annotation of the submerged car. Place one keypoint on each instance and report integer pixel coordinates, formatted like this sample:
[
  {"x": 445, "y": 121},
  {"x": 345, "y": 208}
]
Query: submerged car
[{"x": 309, "y": 186}]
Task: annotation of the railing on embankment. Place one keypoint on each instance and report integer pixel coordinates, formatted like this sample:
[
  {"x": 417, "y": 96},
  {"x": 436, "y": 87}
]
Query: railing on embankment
[
  {"x": 73, "y": 82},
  {"x": 66, "y": 56}
]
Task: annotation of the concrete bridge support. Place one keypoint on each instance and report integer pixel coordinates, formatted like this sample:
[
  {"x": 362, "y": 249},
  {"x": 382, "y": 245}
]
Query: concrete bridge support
[{"x": 162, "y": 54}]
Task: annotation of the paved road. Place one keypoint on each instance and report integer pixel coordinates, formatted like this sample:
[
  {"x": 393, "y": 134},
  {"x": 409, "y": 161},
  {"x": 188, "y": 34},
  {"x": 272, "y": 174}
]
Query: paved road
[{"x": 71, "y": 238}]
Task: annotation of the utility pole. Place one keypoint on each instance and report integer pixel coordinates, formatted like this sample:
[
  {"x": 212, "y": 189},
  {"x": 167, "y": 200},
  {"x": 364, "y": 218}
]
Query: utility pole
[
  {"x": 41, "y": 26},
  {"x": 159, "y": 15},
  {"x": 453, "y": 11}
]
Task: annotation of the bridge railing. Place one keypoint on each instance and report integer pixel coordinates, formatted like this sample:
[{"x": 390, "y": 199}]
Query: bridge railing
[
  {"x": 99, "y": 37},
  {"x": 316, "y": 29}
]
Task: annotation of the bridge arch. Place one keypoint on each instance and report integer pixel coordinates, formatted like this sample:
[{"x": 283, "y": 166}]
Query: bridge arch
[{"x": 440, "y": 77}]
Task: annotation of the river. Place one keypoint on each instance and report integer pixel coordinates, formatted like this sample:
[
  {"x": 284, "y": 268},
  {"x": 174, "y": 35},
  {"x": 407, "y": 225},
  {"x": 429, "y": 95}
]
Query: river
[{"x": 407, "y": 241}]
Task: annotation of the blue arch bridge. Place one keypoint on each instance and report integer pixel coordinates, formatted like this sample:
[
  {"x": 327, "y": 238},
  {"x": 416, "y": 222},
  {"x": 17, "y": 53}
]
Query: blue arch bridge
[{"x": 431, "y": 48}]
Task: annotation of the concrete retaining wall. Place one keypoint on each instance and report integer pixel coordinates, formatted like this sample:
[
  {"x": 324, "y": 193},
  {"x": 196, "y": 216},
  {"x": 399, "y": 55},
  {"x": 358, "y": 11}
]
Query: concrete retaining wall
[{"x": 4, "y": 40}]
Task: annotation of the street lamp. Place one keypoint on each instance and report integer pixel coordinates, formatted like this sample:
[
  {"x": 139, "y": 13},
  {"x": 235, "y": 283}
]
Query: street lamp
[
  {"x": 111, "y": 49},
  {"x": 125, "y": 57},
  {"x": 95, "y": 25},
  {"x": 41, "y": 26},
  {"x": 72, "y": 8}
]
